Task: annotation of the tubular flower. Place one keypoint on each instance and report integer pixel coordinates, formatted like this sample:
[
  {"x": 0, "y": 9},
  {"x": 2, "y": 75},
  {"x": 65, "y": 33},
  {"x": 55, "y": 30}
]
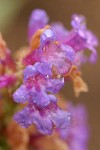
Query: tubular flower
[
  {"x": 80, "y": 38},
  {"x": 38, "y": 83},
  {"x": 60, "y": 56},
  {"x": 38, "y": 20}
]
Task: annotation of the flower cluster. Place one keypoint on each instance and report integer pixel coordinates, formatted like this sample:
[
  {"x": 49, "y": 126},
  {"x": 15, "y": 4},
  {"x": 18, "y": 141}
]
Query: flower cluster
[
  {"x": 33, "y": 78},
  {"x": 54, "y": 54}
]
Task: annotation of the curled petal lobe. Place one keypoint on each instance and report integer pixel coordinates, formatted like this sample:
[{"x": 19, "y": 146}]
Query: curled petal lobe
[
  {"x": 55, "y": 85},
  {"x": 89, "y": 39},
  {"x": 29, "y": 71},
  {"x": 21, "y": 94},
  {"x": 23, "y": 117},
  {"x": 78, "y": 22},
  {"x": 63, "y": 120}
]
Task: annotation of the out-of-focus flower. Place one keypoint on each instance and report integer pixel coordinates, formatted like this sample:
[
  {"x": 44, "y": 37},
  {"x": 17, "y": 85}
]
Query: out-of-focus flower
[
  {"x": 7, "y": 65},
  {"x": 38, "y": 20},
  {"x": 76, "y": 136},
  {"x": 7, "y": 80},
  {"x": 18, "y": 137},
  {"x": 80, "y": 38}
]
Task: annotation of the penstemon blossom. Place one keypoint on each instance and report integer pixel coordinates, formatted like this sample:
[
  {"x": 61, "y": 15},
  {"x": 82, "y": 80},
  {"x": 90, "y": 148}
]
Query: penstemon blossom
[{"x": 38, "y": 72}]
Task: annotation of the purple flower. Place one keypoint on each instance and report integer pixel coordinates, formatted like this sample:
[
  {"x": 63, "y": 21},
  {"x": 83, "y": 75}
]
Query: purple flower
[
  {"x": 38, "y": 20},
  {"x": 60, "y": 56},
  {"x": 38, "y": 82},
  {"x": 6, "y": 65},
  {"x": 77, "y": 134},
  {"x": 80, "y": 38},
  {"x": 44, "y": 119},
  {"x": 37, "y": 90},
  {"x": 78, "y": 22}
]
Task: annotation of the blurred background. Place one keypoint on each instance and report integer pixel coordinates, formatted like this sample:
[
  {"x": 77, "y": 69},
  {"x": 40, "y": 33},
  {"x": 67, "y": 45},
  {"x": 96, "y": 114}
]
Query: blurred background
[{"x": 14, "y": 17}]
